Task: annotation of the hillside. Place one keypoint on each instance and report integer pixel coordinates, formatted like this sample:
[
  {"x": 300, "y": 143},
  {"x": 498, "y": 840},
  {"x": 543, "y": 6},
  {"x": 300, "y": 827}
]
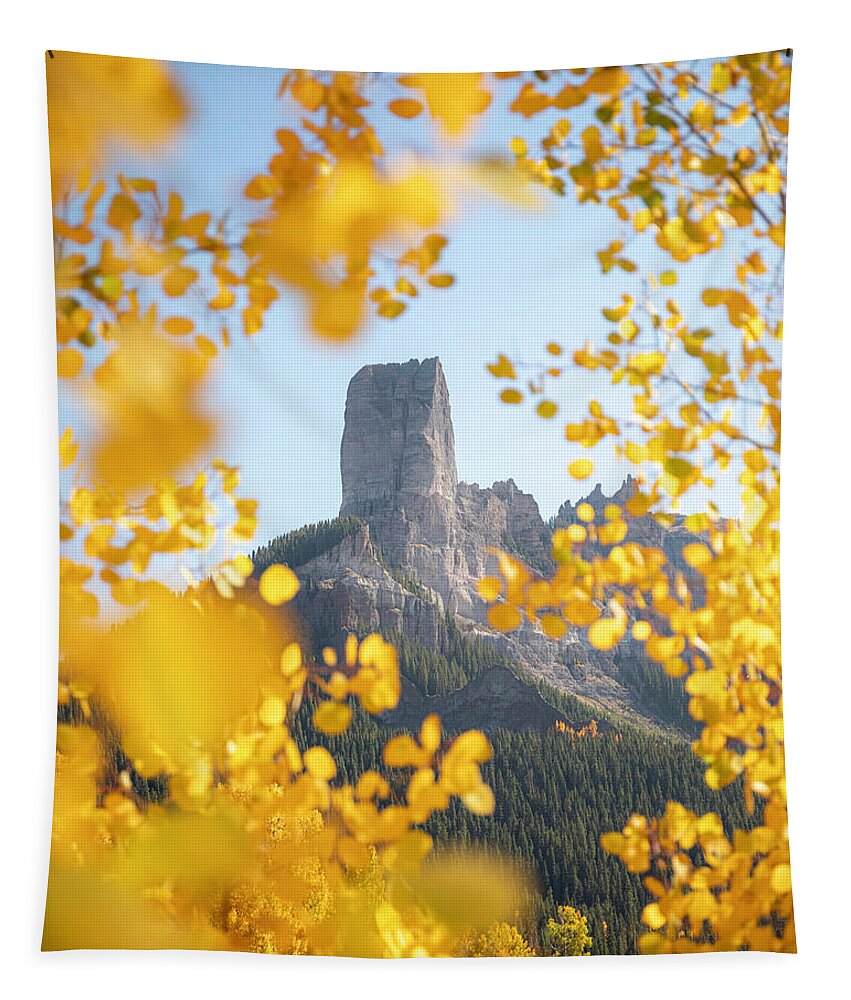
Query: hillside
[
  {"x": 411, "y": 542},
  {"x": 581, "y": 738}
]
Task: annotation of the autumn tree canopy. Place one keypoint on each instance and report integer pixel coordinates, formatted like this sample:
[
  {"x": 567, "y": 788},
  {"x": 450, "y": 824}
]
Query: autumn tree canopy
[{"x": 689, "y": 162}]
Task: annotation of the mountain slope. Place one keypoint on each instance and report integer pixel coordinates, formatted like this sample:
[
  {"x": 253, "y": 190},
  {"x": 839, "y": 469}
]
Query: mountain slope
[{"x": 411, "y": 542}]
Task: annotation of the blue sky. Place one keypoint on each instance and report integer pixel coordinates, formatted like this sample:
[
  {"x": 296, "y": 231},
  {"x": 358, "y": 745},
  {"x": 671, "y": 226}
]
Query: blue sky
[{"x": 523, "y": 278}]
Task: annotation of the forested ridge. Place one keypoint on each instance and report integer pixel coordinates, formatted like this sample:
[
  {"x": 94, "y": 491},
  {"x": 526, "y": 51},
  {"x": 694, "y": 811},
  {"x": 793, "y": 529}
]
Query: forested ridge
[
  {"x": 555, "y": 794},
  {"x": 295, "y": 548},
  {"x": 555, "y": 797}
]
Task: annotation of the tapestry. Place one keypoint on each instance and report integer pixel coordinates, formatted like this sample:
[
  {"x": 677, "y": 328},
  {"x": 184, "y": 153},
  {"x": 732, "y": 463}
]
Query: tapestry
[{"x": 419, "y": 438}]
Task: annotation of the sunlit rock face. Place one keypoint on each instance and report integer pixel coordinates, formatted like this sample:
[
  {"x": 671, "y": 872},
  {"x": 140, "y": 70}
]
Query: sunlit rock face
[
  {"x": 398, "y": 443},
  {"x": 428, "y": 538},
  {"x": 399, "y": 474}
]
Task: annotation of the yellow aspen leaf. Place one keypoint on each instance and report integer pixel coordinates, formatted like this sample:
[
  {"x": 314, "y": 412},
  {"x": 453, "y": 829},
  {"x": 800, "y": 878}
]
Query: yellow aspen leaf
[
  {"x": 405, "y": 107},
  {"x": 441, "y": 280},
  {"x": 504, "y": 617},
  {"x": 69, "y": 362},
  {"x": 403, "y": 751},
  {"x": 351, "y": 650},
  {"x": 612, "y": 533},
  {"x": 430, "y": 733},
  {"x": 452, "y": 98},
  {"x": 123, "y": 212},
  {"x": 740, "y": 114},
  {"x": 668, "y": 278},
  {"x": 206, "y": 346},
  {"x": 96, "y": 99},
  {"x": 272, "y": 711},
  {"x": 278, "y": 584},
  {"x": 243, "y": 565},
  {"x": 553, "y": 625},
  {"x": 606, "y": 633},
  {"x": 662, "y": 648},
  {"x": 581, "y": 468},
  {"x": 503, "y": 368},
  {"x": 261, "y": 187},
  {"x": 332, "y": 717},
  {"x": 480, "y": 801},
  {"x": 530, "y": 101},
  {"x": 720, "y": 79},
  {"x": 178, "y": 326},
  {"x": 755, "y": 460},
  {"x": 518, "y": 147},
  {"x": 554, "y": 348},
  {"x": 391, "y": 308},
  {"x": 319, "y": 763},
  {"x": 371, "y": 785},
  {"x": 641, "y": 631},
  {"x": 178, "y": 280},
  {"x": 547, "y": 409},
  {"x": 585, "y": 512},
  {"x": 781, "y": 878},
  {"x": 628, "y": 329},
  {"x": 653, "y": 916},
  {"x": 405, "y": 287},
  {"x": 512, "y": 396},
  {"x": 777, "y": 234},
  {"x": 68, "y": 448},
  {"x": 576, "y": 533},
  {"x": 291, "y": 659},
  {"x": 697, "y": 555},
  {"x": 611, "y": 80},
  {"x": 308, "y": 91},
  {"x": 489, "y": 588},
  {"x": 679, "y": 468}
]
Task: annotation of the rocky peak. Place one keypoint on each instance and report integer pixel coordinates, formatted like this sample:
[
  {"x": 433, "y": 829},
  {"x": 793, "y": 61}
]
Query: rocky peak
[
  {"x": 424, "y": 540},
  {"x": 598, "y": 500},
  {"x": 398, "y": 441}
]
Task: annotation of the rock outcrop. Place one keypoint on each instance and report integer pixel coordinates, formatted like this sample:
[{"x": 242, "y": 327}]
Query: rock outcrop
[
  {"x": 398, "y": 469},
  {"x": 427, "y": 539}
]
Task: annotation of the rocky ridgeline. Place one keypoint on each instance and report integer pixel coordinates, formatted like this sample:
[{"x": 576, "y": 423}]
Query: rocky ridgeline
[{"x": 426, "y": 538}]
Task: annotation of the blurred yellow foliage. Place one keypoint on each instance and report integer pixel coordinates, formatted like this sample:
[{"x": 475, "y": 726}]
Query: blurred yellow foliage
[
  {"x": 93, "y": 100},
  {"x": 726, "y": 643},
  {"x": 254, "y": 842}
]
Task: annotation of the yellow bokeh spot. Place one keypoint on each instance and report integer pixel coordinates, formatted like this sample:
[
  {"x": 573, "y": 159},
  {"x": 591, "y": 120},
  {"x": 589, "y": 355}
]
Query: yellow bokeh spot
[
  {"x": 585, "y": 512},
  {"x": 641, "y": 631},
  {"x": 291, "y": 659},
  {"x": 278, "y": 584},
  {"x": 504, "y": 617},
  {"x": 581, "y": 468}
]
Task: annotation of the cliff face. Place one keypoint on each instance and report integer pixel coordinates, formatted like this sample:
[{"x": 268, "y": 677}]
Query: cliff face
[
  {"x": 398, "y": 443},
  {"x": 427, "y": 539},
  {"x": 398, "y": 469}
]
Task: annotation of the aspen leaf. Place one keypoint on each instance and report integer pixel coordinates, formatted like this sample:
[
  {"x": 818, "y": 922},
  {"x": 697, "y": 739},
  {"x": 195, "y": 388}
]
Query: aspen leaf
[
  {"x": 489, "y": 588},
  {"x": 504, "y": 617},
  {"x": 581, "y": 468},
  {"x": 405, "y": 107},
  {"x": 332, "y": 717},
  {"x": 178, "y": 326},
  {"x": 320, "y": 763},
  {"x": 553, "y": 625},
  {"x": 278, "y": 584},
  {"x": 605, "y": 633},
  {"x": 503, "y": 368}
]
